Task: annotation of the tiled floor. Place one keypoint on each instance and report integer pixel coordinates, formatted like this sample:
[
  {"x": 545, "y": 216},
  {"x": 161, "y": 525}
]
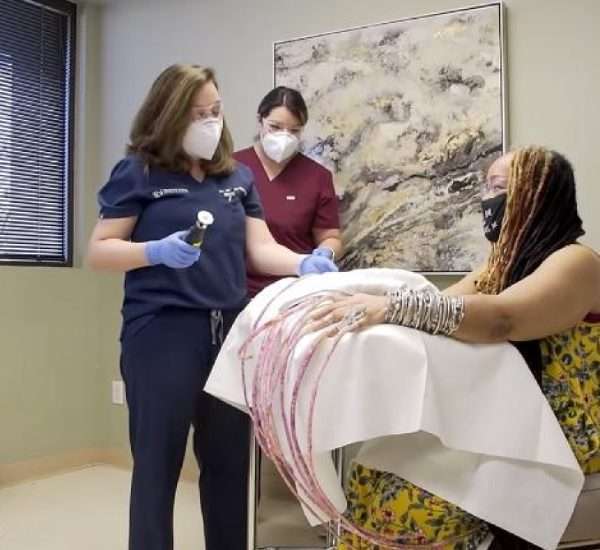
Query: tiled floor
[{"x": 87, "y": 509}]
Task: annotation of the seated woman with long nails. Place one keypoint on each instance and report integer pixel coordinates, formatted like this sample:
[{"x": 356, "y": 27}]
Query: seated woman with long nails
[{"x": 540, "y": 290}]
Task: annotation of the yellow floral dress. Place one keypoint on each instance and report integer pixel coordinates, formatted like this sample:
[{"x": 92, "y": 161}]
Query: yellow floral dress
[
  {"x": 384, "y": 503},
  {"x": 571, "y": 383}
]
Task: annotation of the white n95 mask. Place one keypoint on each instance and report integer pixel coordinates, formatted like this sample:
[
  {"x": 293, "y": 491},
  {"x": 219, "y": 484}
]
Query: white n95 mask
[
  {"x": 202, "y": 138},
  {"x": 279, "y": 146}
]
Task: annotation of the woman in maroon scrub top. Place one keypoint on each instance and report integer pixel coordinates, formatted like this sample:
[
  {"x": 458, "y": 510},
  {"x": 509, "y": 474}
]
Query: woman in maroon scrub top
[{"x": 297, "y": 193}]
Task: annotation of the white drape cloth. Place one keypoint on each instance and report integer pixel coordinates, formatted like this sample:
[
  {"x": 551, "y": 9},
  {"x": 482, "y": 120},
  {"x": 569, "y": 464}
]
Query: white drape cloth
[{"x": 465, "y": 422}]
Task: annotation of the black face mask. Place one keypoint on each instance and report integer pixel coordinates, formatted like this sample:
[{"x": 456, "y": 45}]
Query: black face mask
[{"x": 493, "y": 212}]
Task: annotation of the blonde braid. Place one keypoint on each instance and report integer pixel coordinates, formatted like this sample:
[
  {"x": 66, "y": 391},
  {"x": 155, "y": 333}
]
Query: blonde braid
[{"x": 527, "y": 178}]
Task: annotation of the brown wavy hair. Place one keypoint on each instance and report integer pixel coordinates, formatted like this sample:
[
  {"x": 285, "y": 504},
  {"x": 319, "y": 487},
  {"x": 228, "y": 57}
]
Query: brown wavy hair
[{"x": 160, "y": 124}]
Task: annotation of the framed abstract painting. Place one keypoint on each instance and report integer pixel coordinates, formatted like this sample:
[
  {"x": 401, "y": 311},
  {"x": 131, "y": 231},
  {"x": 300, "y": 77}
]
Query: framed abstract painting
[{"x": 408, "y": 115}]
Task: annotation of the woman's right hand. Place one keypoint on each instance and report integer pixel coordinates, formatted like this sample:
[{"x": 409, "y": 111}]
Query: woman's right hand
[{"x": 172, "y": 251}]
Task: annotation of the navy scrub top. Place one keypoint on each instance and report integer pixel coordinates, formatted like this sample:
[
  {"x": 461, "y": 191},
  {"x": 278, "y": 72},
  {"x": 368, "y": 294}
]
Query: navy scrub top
[{"x": 165, "y": 202}]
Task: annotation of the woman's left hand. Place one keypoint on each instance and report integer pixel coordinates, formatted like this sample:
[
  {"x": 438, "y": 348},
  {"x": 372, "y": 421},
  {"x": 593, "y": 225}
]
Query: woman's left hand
[{"x": 349, "y": 313}]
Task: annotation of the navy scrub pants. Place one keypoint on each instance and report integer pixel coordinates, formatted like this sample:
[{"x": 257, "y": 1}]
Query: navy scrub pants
[{"x": 165, "y": 366}]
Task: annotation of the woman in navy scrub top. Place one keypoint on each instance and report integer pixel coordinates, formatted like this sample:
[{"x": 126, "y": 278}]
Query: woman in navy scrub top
[
  {"x": 297, "y": 193},
  {"x": 180, "y": 301}
]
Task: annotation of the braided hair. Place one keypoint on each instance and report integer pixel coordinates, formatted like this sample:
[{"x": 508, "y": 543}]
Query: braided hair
[{"x": 541, "y": 217}]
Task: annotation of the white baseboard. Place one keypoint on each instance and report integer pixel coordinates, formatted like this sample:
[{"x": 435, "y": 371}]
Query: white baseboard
[{"x": 39, "y": 468}]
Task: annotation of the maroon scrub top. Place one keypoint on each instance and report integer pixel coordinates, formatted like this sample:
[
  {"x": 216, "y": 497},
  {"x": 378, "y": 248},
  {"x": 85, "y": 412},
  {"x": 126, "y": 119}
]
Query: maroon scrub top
[{"x": 301, "y": 198}]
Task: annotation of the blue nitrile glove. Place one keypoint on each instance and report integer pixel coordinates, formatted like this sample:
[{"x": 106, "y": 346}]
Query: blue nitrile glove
[
  {"x": 324, "y": 251},
  {"x": 315, "y": 264},
  {"x": 172, "y": 251}
]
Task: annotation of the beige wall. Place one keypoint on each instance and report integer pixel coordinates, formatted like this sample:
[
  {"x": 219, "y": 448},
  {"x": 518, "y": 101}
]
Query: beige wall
[
  {"x": 553, "y": 69},
  {"x": 61, "y": 325},
  {"x": 51, "y": 377},
  {"x": 553, "y": 72}
]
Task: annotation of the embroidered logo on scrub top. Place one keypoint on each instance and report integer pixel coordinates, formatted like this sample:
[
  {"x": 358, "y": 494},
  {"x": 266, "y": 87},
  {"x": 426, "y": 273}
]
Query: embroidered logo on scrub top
[
  {"x": 231, "y": 193},
  {"x": 290, "y": 197},
  {"x": 159, "y": 193}
]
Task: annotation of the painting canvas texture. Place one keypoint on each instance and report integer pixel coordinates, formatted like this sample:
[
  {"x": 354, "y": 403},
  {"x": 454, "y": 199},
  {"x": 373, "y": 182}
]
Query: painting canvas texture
[{"x": 407, "y": 115}]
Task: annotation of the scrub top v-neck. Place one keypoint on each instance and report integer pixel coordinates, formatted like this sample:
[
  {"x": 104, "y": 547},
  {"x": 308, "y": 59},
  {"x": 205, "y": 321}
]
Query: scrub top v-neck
[
  {"x": 165, "y": 202},
  {"x": 299, "y": 199}
]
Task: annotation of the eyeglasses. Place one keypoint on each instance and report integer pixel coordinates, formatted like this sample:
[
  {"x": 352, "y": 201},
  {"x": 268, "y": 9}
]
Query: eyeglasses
[
  {"x": 207, "y": 111},
  {"x": 274, "y": 126},
  {"x": 493, "y": 185}
]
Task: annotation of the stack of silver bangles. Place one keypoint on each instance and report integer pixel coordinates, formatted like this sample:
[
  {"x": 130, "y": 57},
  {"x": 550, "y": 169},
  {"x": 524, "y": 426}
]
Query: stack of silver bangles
[{"x": 425, "y": 310}]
